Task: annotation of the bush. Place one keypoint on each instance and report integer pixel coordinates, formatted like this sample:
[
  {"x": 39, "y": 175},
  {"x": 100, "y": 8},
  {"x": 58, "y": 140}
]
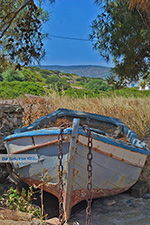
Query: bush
[
  {"x": 15, "y": 88},
  {"x": 58, "y": 84},
  {"x": 23, "y": 202},
  {"x": 98, "y": 85},
  {"x": 12, "y": 75},
  {"x": 23, "y": 75},
  {"x": 52, "y": 79},
  {"x": 33, "y": 76},
  {"x": 80, "y": 93}
]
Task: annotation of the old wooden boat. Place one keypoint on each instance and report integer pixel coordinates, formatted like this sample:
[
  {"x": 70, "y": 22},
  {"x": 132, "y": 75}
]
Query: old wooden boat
[{"x": 118, "y": 155}]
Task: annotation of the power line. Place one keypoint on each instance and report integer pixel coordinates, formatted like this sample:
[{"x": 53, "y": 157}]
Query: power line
[{"x": 69, "y": 38}]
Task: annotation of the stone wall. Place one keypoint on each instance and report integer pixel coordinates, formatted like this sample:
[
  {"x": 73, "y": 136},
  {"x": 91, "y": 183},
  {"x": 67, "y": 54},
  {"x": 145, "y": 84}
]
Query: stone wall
[{"x": 10, "y": 119}]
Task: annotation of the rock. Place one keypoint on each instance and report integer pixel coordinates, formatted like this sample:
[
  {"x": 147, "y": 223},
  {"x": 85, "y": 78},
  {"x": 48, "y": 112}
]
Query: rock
[
  {"x": 110, "y": 202},
  {"x": 12, "y": 222},
  {"x": 10, "y": 119},
  {"x": 131, "y": 203},
  {"x": 4, "y": 171},
  {"x": 15, "y": 215},
  {"x": 146, "y": 196},
  {"x": 53, "y": 221},
  {"x": 36, "y": 221}
]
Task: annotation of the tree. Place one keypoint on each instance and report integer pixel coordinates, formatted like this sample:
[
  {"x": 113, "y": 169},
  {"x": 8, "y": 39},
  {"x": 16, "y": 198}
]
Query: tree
[
  {"x": 121, "y": 33},
  {"x": 143, "y": 5},
  {"x": 148, "y": 77},
  {"x": 20, "y": 31},
  {"x": 115, "y": 81},
  {"x": 143, "y": 84}
]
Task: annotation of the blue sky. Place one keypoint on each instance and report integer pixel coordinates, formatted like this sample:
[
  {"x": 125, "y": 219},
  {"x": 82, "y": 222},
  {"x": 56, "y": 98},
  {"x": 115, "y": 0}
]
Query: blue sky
[{"x": 71, "y": 18}]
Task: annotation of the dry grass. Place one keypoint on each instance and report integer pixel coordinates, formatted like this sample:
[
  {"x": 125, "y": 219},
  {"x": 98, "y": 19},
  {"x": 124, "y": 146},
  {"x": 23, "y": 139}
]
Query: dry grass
[{"x": 135, "y": 112}]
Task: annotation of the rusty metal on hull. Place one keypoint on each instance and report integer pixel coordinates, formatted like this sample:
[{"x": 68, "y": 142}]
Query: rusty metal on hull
[
  {"x": 83, "y": 194},
  {"x": 76, "y": 195},
  {"x": 51, "y": 188}
]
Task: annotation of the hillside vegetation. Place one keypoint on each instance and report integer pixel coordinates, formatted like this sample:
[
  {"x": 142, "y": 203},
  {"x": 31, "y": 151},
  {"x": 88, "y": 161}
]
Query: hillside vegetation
[
  {"x": 42, "y": 82},
  {"x": 36, "y": 81}
]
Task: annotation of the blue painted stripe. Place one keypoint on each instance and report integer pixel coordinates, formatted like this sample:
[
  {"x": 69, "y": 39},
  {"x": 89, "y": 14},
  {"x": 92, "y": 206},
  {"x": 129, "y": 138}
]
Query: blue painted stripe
[
  {"x": 111, "y": 141},
  {"x": 43, "y": 132},
  {"x": 120, "y": 144},
  {"x": 61, "y": 113}
]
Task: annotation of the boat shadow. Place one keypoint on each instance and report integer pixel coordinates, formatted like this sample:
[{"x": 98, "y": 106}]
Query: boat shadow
[{"x": 51, "y": 204}]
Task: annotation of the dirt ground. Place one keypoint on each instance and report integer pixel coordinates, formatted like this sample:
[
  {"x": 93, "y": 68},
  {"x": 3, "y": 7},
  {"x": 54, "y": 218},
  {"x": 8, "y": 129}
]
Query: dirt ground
[
  {"x": 117, "y": 210},
  {"x": 121, "y": 209}
]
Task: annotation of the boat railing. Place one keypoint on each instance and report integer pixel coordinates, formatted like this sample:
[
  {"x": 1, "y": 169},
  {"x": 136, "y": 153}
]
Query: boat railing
[{"x": 90, "y": 119}]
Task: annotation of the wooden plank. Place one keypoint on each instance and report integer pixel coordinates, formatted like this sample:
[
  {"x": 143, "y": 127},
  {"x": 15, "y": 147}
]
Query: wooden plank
[
  {"x": 71, "y": 162},
  {"x": 130, "y": 157}
]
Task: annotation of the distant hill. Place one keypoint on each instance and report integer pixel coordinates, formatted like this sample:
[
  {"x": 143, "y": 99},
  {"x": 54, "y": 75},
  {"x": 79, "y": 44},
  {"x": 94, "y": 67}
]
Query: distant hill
[{"x": 82, "y": 70}]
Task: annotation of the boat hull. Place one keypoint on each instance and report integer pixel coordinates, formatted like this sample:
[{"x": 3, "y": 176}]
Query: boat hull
[{"x": 115, "y": 168}]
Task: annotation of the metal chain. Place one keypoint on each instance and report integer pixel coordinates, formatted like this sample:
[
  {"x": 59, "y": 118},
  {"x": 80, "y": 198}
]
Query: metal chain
[
  {"x": 60, "y": 172},
  {"x": 89, "y": 184}
]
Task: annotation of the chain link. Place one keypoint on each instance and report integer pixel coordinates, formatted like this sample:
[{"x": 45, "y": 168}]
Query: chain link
[
  {"x": 61, "y": 184},
  {"x": 89, "y": 184},
  {"x": 60, "y": 172}
]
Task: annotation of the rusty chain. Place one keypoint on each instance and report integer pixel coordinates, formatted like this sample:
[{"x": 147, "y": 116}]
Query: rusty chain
[
  {"x": 89, "y": 184},
  {"x": 61, "y": 184},
  {"x": 60, "y": 172}
]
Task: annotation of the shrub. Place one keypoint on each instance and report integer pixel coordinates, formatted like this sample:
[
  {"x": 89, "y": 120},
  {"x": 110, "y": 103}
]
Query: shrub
[
  {"x": 14, "y": 201},
  {"x": 12, "y": 75},
  {"x": 80, "y": 93},
  {"x": 33, "y": 76},
  {"x": 52, "y": 79},
  {"x": 58, "y": 84},
  {"x": 98, "y": 85},
  {"x": 15, "y": 88},
  {"x": 23, "y": 75}
]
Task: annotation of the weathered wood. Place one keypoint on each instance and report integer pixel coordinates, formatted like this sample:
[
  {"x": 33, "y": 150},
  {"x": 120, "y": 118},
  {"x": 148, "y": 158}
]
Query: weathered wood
[{"x": 71, "y": 159}]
